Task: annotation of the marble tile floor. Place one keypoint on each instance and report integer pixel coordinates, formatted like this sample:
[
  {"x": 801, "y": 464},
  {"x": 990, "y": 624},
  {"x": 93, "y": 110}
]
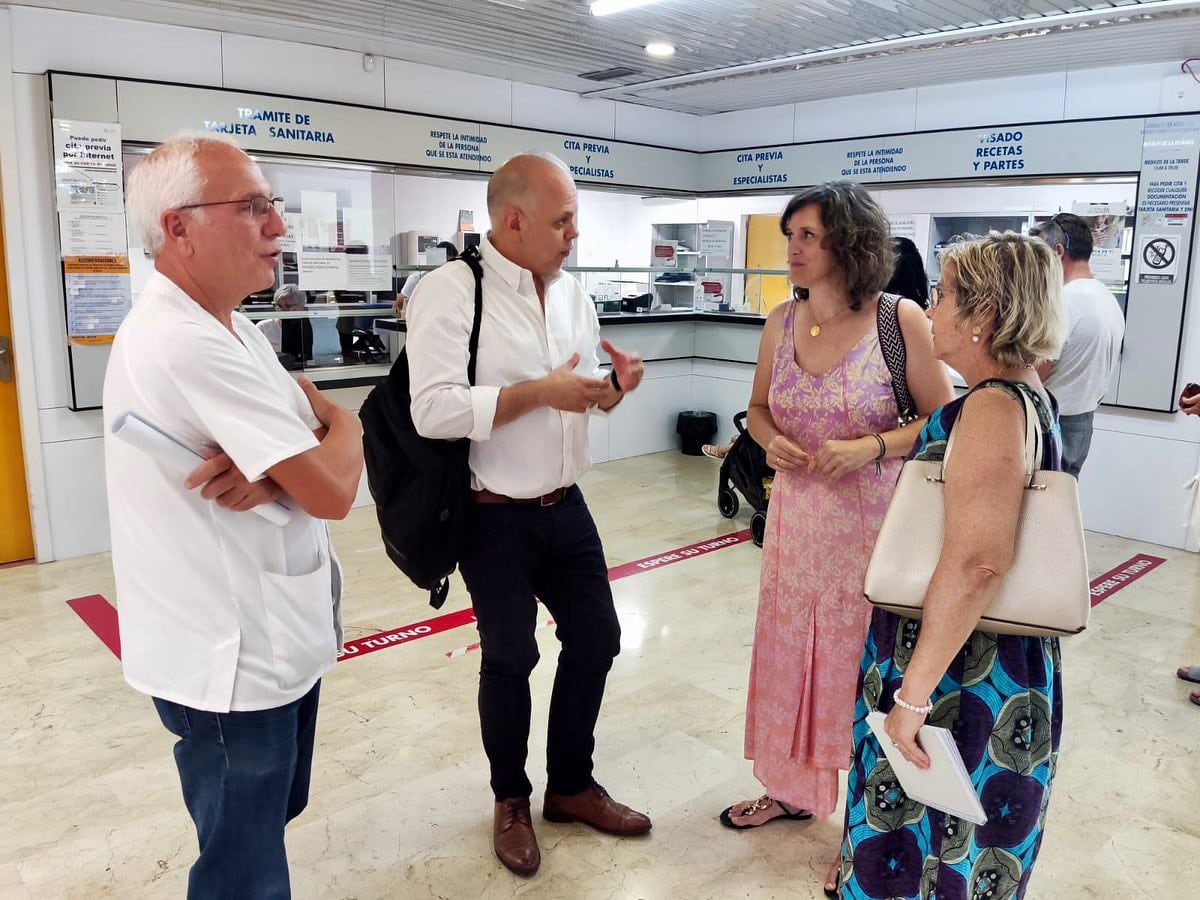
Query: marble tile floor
[{"x": 400, "y": 806}]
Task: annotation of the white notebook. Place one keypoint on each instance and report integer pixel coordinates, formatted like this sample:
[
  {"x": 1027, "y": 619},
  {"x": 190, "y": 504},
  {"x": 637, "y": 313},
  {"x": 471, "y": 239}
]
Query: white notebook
[
  {"x": 151, "y": 439},
  {"x": 945, "y": 785}
]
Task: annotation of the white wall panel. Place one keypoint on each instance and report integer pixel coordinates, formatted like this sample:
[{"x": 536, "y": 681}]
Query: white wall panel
[
  {"x": 299, "y": 70},
  {"x": 43, "y": 280},
  {"x": 598, "y": 429},
  {"x": 78, "y": 506},
  {"x": 666, "y": 340},
  {"x": 61, "y": 424},
  {"x": 722, "y": 340},
  {"x": 997, "y": 101},
  {"x": 1124, "y": 91},
  {"x": 724, "y": 397},
  {"x": 413, "y": 87},
  {"x": 889, "y": 112},
  {"x": 647, "y": 125},
  {"x": 75, "y": 42},
  {"x": 1133, "y": 486},
  {"x": 645, "y": 421},
  {"x": 561, "y": 111},
  {"x": 748, "y": 128}
]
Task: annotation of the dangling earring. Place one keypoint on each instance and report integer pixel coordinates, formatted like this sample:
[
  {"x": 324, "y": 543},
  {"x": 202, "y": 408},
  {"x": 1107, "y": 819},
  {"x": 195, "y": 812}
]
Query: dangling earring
[{"x": 975, "y": 332}]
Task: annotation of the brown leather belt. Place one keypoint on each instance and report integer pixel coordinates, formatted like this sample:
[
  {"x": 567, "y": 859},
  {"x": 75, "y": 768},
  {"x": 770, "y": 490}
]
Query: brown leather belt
[{"x": 545, "y": 500}]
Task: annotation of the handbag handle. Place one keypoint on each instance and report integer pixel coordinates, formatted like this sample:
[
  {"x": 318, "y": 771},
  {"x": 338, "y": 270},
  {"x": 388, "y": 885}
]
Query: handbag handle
[{"x": 1033, "y": 446}]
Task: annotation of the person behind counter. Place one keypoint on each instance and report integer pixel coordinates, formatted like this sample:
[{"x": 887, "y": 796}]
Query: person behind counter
[
  {"x": 909, "y": 278},
  {"x": 289, "y": 336},
  {"x": 414, "y": 278}
]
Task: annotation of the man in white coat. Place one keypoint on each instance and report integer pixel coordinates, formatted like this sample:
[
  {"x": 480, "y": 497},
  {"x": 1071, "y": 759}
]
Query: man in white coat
[{"x": 227, "y": 621}]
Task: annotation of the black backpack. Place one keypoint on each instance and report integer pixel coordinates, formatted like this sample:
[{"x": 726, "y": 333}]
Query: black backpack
[{"x": 421, "y": 485}]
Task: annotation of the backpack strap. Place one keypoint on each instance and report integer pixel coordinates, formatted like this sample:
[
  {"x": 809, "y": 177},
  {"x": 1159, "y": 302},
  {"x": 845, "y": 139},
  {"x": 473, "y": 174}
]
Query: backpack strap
[
  {"x": 474, "y": 262},
  {"x": 891, "y": 343}
]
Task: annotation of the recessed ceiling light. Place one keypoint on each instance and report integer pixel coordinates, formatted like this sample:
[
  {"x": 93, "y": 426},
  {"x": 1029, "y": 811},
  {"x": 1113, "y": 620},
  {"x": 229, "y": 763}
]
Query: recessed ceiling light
[
  {"x": 608, "y": 7},
  {"x": 660, "y": 48}
]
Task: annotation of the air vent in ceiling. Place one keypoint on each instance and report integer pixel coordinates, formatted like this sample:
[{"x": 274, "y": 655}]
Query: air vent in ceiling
[{"x": 611, "y": 74}]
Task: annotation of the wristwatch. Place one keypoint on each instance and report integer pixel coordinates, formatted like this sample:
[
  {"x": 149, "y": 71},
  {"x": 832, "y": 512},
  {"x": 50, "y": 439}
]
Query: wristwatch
[{"x": 612, "y": 376}]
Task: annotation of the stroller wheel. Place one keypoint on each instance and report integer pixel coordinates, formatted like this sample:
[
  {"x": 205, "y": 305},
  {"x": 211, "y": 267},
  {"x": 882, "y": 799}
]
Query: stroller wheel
[
  {"x": 727, "y": 503},
  {"x": 758, "y": 527}
]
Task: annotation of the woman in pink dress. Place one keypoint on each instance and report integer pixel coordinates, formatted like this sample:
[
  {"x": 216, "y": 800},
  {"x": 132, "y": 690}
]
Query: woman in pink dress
[{"x": 825, "y": 409}]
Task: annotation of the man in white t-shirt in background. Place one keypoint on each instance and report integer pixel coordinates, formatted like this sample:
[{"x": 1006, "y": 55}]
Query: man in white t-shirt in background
[
  {"x": 1080, "y": 376},
  {"x": 414, "y": 278},
  {"x": 227, "y": 621}
]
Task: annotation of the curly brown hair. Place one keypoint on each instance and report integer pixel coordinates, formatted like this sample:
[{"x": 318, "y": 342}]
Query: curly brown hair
[{"x": 857, "y": 232}]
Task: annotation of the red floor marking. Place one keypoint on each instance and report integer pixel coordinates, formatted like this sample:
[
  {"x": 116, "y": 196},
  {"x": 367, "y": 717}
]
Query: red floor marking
[
  {"x": 471, "y": 648},
  {"x": 100, "y": 616},
  {"x": 674, "y": 556},
  {"x": 436, "y": 625},
  {"x": 1126, "y": 573}
]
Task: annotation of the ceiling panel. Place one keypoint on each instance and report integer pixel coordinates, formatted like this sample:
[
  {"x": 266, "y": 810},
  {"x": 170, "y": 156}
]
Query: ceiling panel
[{"x": 552, "y": 42}]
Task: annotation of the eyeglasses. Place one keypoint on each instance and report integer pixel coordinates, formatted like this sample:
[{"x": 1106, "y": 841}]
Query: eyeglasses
[
  {"x": 936, "y": 293},
  {"x": 258, "y": 206}
]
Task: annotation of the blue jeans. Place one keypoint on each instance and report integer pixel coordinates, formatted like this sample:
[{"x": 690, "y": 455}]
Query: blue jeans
[
  {"x": 1076, "y": 441},
  {"x": 244, "y": 776}
]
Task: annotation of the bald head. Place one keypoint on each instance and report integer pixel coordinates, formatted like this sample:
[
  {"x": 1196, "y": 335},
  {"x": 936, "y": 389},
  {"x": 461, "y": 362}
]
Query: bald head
[
  {"x": 522, "y": 179},
  {"x": 532, "y": 204}
]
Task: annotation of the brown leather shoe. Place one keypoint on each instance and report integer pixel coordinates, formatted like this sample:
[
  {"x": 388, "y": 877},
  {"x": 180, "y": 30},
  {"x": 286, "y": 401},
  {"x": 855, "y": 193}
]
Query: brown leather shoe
[
  {"x": 594, "y": 807},
  {"x": 515, "y": 843}
]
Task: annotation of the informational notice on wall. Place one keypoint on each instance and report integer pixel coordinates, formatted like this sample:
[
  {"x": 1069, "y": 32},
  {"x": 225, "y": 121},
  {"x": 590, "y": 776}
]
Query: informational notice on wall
[
  {"x": 369, "y": 273},
  {"x": 1107, "y": 265},
  {"x": 84, "y": 233},
  {"x": 98, "y": 295},
  {"x": 903, "y": 227},
  {"x": 289, "y": 242},
  {"x": 324, "y": 271},
  {"x": 87, "y": 166},
  {"x": 318, "y": 211},
  {"x": 358, "y": 226},
  {"x": 1167, "y": 166},
  {"x": 716, "y": 240}
]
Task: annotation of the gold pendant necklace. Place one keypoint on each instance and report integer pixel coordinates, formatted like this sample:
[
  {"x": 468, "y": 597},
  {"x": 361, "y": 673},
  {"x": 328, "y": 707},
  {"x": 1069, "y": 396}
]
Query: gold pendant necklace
[{"x": 815, "y": 331}]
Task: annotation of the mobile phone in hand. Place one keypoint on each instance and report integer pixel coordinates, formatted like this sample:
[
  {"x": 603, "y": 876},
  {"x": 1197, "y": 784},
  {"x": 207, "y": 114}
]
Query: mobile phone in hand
[{"x": 1191, "y": 392}]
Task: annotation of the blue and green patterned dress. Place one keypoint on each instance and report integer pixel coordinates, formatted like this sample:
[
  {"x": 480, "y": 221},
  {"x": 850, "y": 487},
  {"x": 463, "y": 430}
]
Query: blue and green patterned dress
[{"x": 1002, "y": 700}]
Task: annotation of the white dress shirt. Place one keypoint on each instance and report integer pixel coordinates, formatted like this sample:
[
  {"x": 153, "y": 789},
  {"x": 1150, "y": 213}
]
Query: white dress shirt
[
  {"x": 218, "y": 610},
  {"x": 541, "y": 451}
]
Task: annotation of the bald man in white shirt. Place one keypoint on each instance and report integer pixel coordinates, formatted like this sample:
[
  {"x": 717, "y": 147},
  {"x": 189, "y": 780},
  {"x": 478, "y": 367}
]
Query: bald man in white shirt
[{"x": 530, "y": 535}]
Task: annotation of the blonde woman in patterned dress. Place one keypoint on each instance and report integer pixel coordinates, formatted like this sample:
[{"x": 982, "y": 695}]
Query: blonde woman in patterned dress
[{"x": 824, "y": 408}]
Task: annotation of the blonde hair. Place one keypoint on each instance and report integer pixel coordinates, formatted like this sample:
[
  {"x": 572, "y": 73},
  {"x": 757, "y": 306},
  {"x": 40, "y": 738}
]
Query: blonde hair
[
  {"x": 1015, "y": 283},
  {"x": 168, "y": 178}
]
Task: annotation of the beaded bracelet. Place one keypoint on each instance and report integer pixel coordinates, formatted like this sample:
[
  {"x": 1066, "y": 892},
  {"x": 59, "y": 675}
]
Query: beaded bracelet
[{"x": 919, "y": 710}]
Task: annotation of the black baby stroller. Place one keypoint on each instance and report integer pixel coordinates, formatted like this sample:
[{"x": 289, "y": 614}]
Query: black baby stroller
[{"x": 745, "y": 468}]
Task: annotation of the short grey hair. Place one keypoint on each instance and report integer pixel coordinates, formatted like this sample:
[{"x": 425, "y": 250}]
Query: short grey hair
[
  {"x": 510, "y": 182},
  {"x": 289, "y": 297},
  {"x": 167, "y": 178}
]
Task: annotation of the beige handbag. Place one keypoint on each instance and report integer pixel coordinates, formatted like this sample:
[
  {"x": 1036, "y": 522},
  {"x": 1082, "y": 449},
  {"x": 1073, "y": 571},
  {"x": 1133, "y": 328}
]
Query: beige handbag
[{"x": 1045, "y": 593}]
